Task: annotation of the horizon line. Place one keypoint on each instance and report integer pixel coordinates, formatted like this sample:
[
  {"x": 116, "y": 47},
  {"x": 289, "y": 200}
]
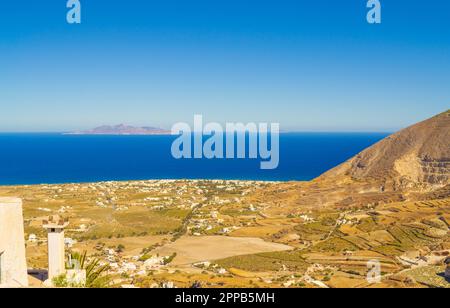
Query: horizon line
[{"x": 281, "y": 132}]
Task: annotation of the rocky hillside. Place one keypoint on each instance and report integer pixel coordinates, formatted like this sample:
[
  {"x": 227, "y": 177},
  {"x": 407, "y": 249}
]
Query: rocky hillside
[{"x": 417, "y": 157}]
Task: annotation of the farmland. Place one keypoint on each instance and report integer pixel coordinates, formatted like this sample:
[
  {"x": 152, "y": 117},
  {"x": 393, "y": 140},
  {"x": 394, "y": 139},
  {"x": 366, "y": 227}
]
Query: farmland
[{"x": 223, "y": 234}]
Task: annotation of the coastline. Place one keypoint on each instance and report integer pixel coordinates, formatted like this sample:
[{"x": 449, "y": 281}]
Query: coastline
[{"x": 167, "y": 180}]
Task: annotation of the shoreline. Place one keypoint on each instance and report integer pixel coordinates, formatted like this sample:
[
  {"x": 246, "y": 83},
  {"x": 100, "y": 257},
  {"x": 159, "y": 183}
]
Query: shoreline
[{"x": 167, "y": 180}]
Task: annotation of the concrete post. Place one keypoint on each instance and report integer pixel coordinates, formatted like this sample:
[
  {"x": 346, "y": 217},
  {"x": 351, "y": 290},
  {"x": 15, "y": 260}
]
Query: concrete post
[{"x": 56, "y": 256}]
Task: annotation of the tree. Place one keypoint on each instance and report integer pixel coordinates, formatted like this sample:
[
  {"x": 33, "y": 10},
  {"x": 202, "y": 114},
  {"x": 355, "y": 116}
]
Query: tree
[{"x": 120, "y": 248}]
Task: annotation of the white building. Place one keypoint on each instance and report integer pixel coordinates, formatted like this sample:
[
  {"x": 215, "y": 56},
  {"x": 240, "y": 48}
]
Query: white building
[
  {"x": 153, "y": 263},
  {"x": 69, "y": 242},
  {"x": 32, "y": 238},
  {"x": 13, "y": 267}
]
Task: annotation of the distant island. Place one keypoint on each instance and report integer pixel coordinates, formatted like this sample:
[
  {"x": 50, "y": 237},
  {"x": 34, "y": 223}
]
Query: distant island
[{"x": 122, "y": 129}]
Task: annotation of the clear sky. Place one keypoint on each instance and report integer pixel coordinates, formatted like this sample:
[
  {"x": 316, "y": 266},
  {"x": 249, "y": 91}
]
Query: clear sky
[{"x": 309, "y": 65}]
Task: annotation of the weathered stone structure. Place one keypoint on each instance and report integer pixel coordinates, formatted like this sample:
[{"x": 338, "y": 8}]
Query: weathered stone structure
[{"x": 13, "y": 268}]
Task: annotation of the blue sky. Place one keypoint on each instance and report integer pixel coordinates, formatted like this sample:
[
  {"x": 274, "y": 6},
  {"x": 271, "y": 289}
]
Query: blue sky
[{"x": 309, "y": 65}]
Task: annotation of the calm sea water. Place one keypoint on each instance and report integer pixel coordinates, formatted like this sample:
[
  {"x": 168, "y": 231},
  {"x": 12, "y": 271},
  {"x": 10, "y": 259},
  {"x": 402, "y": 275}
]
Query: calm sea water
[{"x": 56, "y": 158}]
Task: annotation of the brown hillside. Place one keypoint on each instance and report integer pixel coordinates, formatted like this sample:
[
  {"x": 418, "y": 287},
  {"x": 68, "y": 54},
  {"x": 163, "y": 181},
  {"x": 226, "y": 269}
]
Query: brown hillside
[{"x": 416, "y": 157}]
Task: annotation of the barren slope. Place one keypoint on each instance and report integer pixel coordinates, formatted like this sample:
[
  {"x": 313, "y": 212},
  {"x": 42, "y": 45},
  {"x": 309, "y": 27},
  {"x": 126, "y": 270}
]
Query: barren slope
[{"x": 417, "y": 157}]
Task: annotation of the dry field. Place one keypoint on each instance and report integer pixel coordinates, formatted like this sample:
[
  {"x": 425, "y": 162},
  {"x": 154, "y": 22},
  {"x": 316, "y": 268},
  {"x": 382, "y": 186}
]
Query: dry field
[{"x": 191, "y": 250}]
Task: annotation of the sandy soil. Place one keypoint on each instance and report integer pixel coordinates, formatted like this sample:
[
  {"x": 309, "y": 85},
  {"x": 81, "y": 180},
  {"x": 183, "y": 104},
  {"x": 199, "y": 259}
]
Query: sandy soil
[{"x": 206, "y": 248}]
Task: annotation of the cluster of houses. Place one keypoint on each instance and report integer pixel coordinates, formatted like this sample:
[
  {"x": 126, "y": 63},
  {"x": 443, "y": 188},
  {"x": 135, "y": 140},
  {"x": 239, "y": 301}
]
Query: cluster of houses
[
  {"x": 162, "y": 193},
  {"x": 206, "y": 265},
  {"x": 131, "y": 266}
]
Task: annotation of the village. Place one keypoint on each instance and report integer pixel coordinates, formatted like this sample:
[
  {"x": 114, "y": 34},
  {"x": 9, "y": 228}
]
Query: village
[
  {"x": 188, "y": 202},
  {"x": 167, "y": 234}
]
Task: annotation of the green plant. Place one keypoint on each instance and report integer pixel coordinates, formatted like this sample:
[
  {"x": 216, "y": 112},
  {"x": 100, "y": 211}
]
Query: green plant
[
  {"x": 95, "y": 277},
  {"x": 120, "y": 248},
  {"x": 169, "y": 260},
  {"x": 60, "y": 281}
]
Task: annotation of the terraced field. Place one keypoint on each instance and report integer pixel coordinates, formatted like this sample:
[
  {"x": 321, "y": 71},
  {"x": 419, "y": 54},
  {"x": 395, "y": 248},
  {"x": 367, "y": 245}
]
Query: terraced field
[{"x": 386, "y": 234}]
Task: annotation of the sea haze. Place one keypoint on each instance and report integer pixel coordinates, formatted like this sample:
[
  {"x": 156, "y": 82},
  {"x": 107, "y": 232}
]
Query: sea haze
[{"x": 57, "y": 158}]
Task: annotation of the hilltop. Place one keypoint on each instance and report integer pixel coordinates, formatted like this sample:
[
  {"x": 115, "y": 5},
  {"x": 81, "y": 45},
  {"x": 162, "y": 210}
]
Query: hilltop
[{"x": 410, "y": 165}]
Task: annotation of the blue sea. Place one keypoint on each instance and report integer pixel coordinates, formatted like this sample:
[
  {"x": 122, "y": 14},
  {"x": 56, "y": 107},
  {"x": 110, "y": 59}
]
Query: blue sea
[{"x": 57, "y": 158}]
